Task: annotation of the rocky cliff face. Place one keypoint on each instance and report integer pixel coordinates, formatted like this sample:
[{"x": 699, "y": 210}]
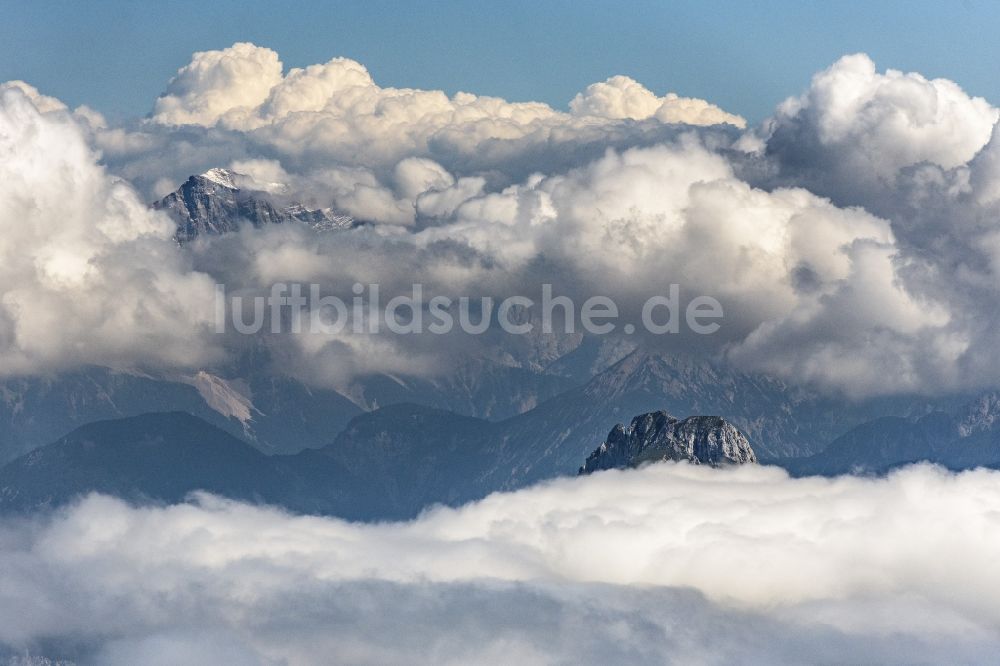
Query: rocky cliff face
[
  {"x": 657, "y": 436},
  {"x": 980, "y": 415},
  {"x": 221, "y": 201}
]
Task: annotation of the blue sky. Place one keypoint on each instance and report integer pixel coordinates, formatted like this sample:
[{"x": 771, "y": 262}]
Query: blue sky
[{"x": 746, "y": 57}]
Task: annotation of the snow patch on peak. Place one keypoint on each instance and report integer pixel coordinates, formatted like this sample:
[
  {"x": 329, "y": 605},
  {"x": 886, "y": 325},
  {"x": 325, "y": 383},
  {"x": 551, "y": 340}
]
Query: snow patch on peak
[{"x": 223, "y": 177}]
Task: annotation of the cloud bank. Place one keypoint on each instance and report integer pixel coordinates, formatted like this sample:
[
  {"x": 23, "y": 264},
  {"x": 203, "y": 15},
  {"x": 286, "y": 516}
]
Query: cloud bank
[
  {"x": 243, "y": 87},
  {"x": 668, "y": 564},
  {"x": 88, "y": 274},
  {"x": 850, "y": 237}
]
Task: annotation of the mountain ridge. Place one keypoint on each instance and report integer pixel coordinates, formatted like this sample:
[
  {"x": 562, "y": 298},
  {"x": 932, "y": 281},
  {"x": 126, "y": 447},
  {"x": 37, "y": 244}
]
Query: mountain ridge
[
  {"x": 387, "y": 464},
  {"x": 222, "y": 201},
  {"x": 963, "y": 438}
]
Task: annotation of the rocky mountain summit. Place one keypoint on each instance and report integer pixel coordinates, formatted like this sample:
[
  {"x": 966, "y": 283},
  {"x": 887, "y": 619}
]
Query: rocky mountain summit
[
  {"x": 221, "y": 201},
  {"x": 657, "y": 436}
]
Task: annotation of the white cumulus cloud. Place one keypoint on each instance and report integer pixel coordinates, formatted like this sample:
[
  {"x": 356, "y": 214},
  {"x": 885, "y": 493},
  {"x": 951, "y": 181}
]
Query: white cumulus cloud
[
  {"x": 623, "y": 97},
  {"x": 88, "y": 274},
  {"x": 855, "y": 128},
  {"x": 336, "y": 110},
  {"x": 219, "y": 84}
]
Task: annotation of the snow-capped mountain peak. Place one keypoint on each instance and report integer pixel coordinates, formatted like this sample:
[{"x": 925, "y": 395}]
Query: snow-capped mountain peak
[
  {"x": 223, "y": 177},
  {"x": 220, "y": 201}
]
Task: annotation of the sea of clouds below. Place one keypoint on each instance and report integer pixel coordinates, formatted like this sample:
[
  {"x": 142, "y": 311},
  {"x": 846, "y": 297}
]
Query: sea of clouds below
[
  {"x": 668, "y": 564},
  {"x": 851, "y": 237}
]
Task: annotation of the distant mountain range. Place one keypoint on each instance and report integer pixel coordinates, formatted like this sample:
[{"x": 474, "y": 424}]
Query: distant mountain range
[
  {"x": 555, "y": 410},
  {"x": 961, "y": 439},
  {"x": 152, "y": 457},
  {"x": 387, "y": 465},
  {"x": 274, "y": 413},
  {"x": 394, "y": 461}
]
